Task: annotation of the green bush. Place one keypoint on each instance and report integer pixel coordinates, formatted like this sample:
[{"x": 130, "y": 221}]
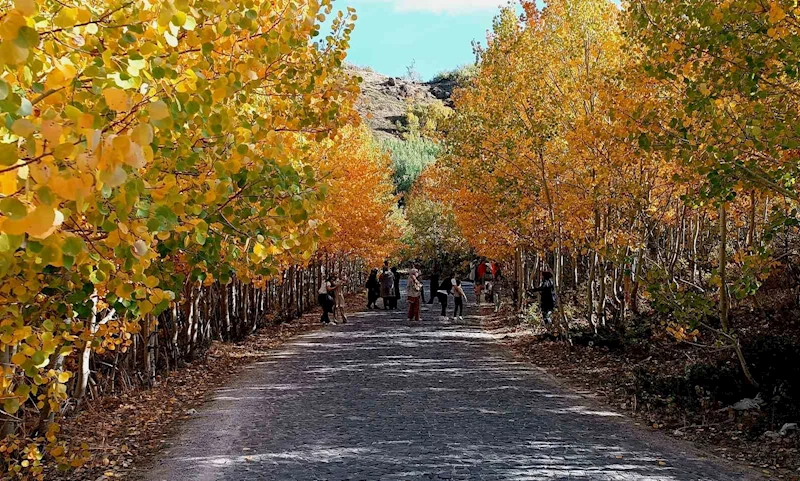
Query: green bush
[
  {"x": 410, "y": 156},
  {"x": 461, "y": 75}
]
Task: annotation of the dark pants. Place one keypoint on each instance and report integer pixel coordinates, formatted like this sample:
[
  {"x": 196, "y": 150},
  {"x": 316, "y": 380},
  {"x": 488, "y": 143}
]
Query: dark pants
[
  {"x": 372, "y": 298},
  {"x": 434, "y": 287},
  {"x": 443, "y": 301},
  {"x": 326, "y": 303},
  {"x": 459, "y": 309}
]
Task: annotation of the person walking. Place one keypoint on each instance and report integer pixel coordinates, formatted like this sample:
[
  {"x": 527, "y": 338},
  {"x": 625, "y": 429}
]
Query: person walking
[
  {"x": 387, "y": 286},
  {"x": 373, "y": 289},
  {"x": 445, "y": 288},
  {"x": 339, "y": 307},
  {"x": 325, "y": 299},
  {"x": 413, "y": 292},
  {"x": 459, "y": 297},
  {"x": 548, "y": 298},
  {"x": 395, "y": 288}
]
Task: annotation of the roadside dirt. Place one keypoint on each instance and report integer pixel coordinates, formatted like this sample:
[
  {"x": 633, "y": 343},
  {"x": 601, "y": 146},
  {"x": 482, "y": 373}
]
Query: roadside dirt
[
  {"x": 612, "y": 376},
  {"x": 124, "y": 431}
]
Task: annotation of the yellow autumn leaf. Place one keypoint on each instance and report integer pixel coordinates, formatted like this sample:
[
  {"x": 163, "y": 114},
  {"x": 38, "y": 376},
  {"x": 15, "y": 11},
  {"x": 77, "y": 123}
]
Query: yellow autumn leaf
[
  {"x": 117, "y": 99},
  {"x": 114, "y": 177},
  {"x": 23, "y": 127},
  {"x": 51, "y": 131},
  {"x": 19, "y": 358},
  {"x": 66, "y": 17},
  {"x": 8, "y": 182},
  {"x": 142, "y": 134},
  {"x": 8, "y": 154},
  {"x": 39, "y": 223},
  {"x": 26, "y": 7},
  {"x": 159, "y": 110}
]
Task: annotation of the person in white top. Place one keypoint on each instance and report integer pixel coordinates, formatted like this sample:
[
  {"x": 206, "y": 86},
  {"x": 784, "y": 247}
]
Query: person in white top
[{"x": 326, "y": 292}]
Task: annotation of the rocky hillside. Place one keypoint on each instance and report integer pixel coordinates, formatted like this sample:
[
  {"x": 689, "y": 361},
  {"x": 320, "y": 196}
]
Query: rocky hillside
[{"x": 384, "y": 100}]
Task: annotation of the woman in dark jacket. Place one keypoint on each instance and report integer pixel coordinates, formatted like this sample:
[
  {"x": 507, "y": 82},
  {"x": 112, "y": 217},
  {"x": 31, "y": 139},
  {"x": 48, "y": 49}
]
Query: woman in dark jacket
[
  {"x": 387, "y": 287},
  {"x": 373, "y": 289},
  {"x": 548, "y": 297},
  {"x": 396, "y": 297},
  {"x": 434, "y": 287}
]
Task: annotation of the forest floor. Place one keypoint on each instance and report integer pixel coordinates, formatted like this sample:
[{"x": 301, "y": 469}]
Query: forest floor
[
  {"x": 124, "y": 430},
  {"x": 614, "y": 376}
]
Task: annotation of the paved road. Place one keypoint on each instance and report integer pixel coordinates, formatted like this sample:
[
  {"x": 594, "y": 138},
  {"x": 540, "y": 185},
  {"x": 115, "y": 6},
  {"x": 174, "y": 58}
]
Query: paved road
[{"x": 379, "y": 399}]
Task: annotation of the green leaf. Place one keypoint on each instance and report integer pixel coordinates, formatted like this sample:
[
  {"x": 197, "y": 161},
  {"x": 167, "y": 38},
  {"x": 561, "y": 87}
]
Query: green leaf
[
  {"x": 39, "y": 358},
  {"x": 72, "y": 246},
  {"x": 11, "y": 405},
  {"x": 27, "y": 37},
  {"x": 13, "y": 208}
]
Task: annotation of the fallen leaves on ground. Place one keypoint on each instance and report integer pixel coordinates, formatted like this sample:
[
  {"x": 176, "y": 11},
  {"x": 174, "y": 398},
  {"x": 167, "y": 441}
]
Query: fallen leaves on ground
[
  {"x": 607, "y": 375},
  {"x": 123, "y": 431}
]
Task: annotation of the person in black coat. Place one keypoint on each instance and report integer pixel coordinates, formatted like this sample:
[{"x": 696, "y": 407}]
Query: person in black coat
[
  {"x": 445, "y": 289},
  {"x": 434, "y": 287},
  {"x": 548, "y": 300},
  {"x": 373, "y": 289},
  {"x": 396, "y": 297}
]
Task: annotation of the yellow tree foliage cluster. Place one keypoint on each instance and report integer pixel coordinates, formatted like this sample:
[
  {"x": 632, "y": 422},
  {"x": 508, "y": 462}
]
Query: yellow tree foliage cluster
[
  {"x": 146, "y": 146},
  {"x": 359, "y": 206},
  {"x": 614, "y": 143}
]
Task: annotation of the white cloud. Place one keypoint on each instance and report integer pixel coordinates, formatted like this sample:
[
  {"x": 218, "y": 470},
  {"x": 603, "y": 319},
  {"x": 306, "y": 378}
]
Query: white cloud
[{"x": 445, "y": 6}]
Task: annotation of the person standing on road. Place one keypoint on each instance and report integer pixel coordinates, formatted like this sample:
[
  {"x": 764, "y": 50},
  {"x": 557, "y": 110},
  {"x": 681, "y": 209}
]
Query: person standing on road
[
  {"x": 387, "y": 285},
  {"x": 434, "y": 287},
  {"x": 339, "y": 302},
  {"x": 459, "y": 297},
  {"x": 498, "y": 291},
  {"x": 548, "y": 298},
  {"x": 325, "y": 299},
  {"x": 445, "y": 288},
  {"x": 413, "y": 291},
  {"x": 480, "y": 279},
  {"x": 373, "y": 289},
  {"x": 395, "y": 288},
  {"x": 417, "y": 271}
]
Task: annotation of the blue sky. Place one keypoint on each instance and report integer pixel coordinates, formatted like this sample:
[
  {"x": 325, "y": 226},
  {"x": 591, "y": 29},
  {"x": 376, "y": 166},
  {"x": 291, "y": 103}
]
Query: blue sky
[{"x": 435, "y": 34}]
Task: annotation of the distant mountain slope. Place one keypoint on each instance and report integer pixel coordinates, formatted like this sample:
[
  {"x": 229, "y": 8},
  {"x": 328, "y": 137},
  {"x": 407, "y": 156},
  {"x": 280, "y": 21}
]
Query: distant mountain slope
[{"x": 384, "y": 100}]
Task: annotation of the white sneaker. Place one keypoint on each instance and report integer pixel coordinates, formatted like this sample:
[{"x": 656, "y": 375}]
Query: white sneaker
[{"x": 460, "y": 318}]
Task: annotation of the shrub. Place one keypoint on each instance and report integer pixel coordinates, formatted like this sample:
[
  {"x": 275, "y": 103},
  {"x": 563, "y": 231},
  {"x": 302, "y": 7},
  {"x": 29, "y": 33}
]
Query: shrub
[{"x": 409, "y": 158}]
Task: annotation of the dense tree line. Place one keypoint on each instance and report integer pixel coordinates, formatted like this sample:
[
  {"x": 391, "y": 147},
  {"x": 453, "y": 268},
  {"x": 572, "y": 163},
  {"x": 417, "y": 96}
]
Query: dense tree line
[
  {"x": 170, "y": 174},
  {"x": 645, "y": 152}
]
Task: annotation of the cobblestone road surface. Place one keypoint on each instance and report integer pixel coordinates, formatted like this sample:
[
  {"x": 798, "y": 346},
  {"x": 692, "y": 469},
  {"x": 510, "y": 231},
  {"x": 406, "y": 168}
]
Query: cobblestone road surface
[{"x": 379, "y": 399}]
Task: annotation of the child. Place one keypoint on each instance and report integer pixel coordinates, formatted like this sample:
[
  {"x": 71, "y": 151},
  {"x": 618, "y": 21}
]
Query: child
[{"x": 458, "y": 299}]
